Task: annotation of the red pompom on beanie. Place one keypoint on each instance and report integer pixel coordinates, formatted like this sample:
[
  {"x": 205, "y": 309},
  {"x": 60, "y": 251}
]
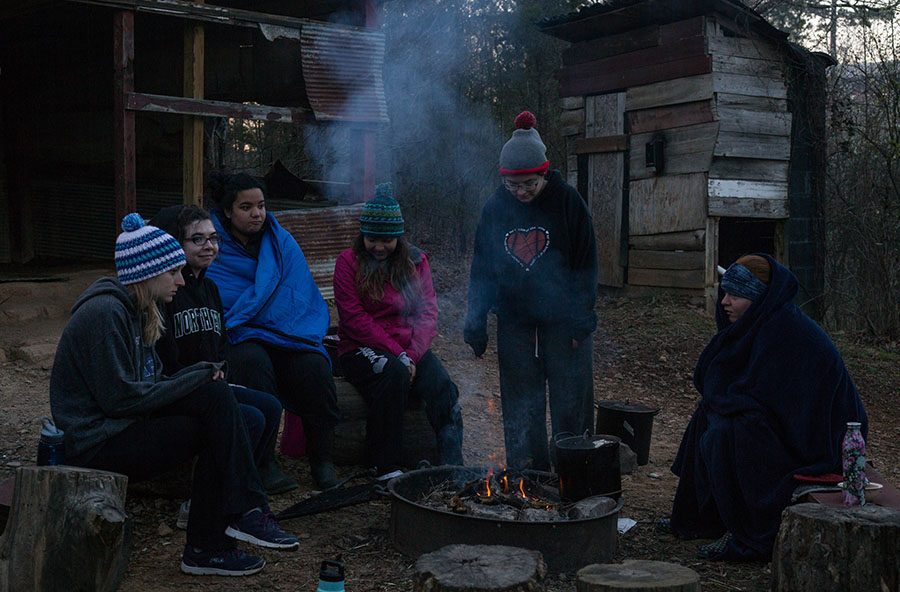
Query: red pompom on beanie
[{"x": 524, "y": 153}]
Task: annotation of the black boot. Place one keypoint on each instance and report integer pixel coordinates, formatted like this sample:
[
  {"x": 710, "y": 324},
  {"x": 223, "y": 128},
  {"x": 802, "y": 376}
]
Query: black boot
[
  {"x": 321, "y": 454},
  {"x": 274, "y": 480},
  {"x": 449, "y": 440}
]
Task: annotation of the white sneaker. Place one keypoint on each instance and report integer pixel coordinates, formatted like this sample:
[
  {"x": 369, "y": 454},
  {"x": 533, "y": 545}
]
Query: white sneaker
[{"x": 183, "y": 513}]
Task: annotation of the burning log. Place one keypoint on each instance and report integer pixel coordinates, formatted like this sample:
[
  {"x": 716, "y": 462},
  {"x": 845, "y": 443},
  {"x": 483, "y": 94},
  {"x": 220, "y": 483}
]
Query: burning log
[{"x": 480, "y": 568}]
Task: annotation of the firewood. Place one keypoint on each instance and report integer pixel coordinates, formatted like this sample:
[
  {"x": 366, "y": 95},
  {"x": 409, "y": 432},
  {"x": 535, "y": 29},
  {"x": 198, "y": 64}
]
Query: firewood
[
  {"x": 828, "y": 549},
  {"x": 480, "y": 568},
  {"x": 67, "y": 530},
  {"x": 632, "y": 574}
]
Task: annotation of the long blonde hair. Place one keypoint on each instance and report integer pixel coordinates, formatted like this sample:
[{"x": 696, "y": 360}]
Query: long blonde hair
[{"x": 151, "y": 318}]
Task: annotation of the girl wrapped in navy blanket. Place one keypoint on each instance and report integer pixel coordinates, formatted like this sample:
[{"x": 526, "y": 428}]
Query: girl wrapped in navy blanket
[{"x": 775, "y": 398}]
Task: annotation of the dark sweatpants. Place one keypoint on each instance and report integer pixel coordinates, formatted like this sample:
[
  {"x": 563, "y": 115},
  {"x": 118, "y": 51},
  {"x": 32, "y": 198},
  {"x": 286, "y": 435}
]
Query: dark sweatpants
[
  {"x": 383, "y": 381},
  {"x": 524, "y": 382},
  {"x": 301, "y": 380},
  {"x": 208, "y": 423}
]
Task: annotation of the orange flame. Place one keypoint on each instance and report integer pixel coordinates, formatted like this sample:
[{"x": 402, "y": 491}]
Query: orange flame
[
  {"x": 487, "y": 482},
  {"x": 504, "y": 480},
  {"x": 522, "y": 488}
]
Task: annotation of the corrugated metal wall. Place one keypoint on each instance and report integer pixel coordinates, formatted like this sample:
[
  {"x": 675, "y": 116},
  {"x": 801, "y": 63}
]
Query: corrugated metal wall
[{"x": 76, "y": 220}]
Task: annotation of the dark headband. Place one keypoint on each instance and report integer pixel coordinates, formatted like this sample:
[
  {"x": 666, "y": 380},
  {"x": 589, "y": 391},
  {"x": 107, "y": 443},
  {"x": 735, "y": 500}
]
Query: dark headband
[{"x": 740, "y": 281}]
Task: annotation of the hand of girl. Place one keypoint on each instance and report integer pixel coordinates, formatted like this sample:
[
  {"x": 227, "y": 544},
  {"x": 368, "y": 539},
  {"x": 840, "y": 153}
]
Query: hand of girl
[
  {"x": 412, "y": 372},
  {"x": 218, "y": 375}
]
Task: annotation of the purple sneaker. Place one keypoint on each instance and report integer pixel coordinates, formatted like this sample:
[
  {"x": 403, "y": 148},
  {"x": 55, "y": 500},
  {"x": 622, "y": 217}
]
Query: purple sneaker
[
  {"x": 262, "y": 529},
  {"x": 230, "y": 562}
]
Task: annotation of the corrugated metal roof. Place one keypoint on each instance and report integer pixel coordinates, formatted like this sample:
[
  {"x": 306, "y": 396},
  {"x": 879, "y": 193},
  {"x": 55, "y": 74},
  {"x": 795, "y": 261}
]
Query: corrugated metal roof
[
  {"x": 342, "y": 70},
  {"x": 322, "y": 233}
]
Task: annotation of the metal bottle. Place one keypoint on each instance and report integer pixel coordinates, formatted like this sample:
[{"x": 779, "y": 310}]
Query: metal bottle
[
  {"x": 331, "y": 576},
  {"x": 853, "y": 451}
]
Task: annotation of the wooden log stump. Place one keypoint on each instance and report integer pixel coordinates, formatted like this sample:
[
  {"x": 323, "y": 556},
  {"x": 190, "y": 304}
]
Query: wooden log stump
[
  {"x": 67, "y": 530},
  {"x": 350, "y": 433},
  {"x": 633, "y": 574},
  {"x": 827, "y": 549},
  {"x": 480, "y": 568}
]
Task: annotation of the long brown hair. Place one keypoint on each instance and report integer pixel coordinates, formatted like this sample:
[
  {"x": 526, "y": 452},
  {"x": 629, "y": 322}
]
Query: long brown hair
[{"x": 399, "y": 269}]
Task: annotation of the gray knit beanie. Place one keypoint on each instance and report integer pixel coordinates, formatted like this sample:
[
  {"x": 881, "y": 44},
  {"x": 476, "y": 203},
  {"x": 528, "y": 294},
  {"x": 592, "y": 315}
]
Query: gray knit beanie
[{"x": 524, "y": 152}]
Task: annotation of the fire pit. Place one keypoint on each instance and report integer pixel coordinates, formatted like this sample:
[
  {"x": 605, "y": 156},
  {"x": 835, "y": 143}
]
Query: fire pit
[{"x": 418, "y": 527}]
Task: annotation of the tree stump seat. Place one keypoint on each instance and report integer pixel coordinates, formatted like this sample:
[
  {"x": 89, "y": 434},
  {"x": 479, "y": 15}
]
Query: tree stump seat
[
  {"x": 67, "y": 530},
  {"x": 480, "y": 568},
  {"x": 829, "y": 549},
  {"x": 633, "y": 574},
  {"x": 350, "y": 433}
]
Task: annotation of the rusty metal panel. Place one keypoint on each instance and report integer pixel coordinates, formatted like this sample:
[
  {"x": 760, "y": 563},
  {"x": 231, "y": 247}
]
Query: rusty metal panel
[
  {"x": 322, "y": 233},
  {"x": 342, "y": 69}
]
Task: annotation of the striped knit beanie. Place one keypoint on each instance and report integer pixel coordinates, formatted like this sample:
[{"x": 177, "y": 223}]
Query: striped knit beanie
[
  {"x": 381, "y": 215},
  {"x": 144, "y": 252},
  {"x": 524, "y": 153}
]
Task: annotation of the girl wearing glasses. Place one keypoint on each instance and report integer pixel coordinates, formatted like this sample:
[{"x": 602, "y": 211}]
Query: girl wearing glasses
[
  {"x": 535, "y": 266},
  {"x": 196, "y": 332},
  {"x": 388, "y": 318}
]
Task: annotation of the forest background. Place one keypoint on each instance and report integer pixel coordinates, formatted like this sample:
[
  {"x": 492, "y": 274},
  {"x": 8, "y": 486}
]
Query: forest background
[{"x": 458, "y": 71}]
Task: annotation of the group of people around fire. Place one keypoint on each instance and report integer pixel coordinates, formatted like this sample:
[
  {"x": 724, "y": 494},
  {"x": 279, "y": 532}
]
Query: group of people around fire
[{"x": 214, "y": 325}]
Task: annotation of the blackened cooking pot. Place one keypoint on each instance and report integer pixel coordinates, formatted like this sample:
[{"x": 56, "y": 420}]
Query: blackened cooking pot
[{"x": 588, "y": 465}]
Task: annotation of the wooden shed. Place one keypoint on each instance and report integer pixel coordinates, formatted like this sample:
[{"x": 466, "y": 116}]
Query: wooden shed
[
  {"x": 695, "y": 131},
  {"x": 108, "y": 106}
]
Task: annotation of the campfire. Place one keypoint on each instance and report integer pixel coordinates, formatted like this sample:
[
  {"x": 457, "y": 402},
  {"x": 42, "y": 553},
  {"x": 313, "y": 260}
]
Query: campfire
[{"x": 505, "y": 495}]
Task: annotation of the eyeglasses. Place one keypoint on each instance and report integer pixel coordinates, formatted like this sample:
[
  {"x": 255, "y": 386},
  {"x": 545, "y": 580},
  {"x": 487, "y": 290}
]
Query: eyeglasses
[
  {"x": 200, "y": 239},
  {"x": 527, "y": 185}
]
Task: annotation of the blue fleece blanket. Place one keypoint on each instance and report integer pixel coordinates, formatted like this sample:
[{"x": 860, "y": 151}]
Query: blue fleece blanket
[
  {"x": 271, "y": 298},
  {"x": 775, "y": 400}
]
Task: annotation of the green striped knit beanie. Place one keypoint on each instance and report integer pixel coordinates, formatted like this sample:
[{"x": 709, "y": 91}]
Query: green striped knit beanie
[
  {"x": 381, "y": 215},
  {"x": 144, "y": 251}
]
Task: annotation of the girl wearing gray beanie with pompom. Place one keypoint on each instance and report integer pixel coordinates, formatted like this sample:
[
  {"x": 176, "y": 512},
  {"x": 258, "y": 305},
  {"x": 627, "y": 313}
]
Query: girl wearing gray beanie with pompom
[
  {"x": 535, "y": 267},
  {"x": 120, "y": 414}
]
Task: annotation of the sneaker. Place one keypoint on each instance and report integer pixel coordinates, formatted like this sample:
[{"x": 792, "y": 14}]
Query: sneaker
[
  {"x": 715, "y": 550},
  {"x": 389, "y": 476},
  {"x": 324, "y": 474},
  {"x": 230, "y": 562},
  {"x": 184, "y": 513},
  {"x": 261, "y": 529}
]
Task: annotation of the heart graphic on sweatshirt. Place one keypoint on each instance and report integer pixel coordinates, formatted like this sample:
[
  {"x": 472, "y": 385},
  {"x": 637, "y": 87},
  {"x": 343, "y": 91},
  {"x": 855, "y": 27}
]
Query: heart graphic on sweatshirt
[{"x": 527, "y": 245}]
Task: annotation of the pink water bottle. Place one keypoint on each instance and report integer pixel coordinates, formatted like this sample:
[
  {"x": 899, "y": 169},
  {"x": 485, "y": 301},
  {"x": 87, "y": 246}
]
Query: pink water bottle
[{"x": 853, "y": 451}]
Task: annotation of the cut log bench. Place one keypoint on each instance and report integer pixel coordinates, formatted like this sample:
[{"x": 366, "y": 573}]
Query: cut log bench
[
  {"x": 655, "y": 576},
  {"x": 830, "y": 549},
  {"x": 67, "y": 530},
  {"x": 480, "y": 568},
  {"x": 350, "y": 433}
]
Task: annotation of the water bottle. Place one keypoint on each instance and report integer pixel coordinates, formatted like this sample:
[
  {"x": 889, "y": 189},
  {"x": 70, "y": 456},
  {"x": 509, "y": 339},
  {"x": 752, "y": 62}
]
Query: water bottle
[
  {"x": 331, "y": 576},
  {"x": 853, "y": 451},
  {"x": 52, "y": 446}
]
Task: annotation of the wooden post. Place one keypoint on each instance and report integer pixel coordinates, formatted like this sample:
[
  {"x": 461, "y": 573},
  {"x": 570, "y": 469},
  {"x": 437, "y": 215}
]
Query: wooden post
[
  {"x": 67, "y": 530},
  {"x": 711, "y": 283},
  {"x": 480, "y": 568},
  {"x": 123, "y": 119},
  {"x": 831, "y": 549},
  {"x": 362, "y": 182},
  {"x": 631, "y": 574},
  {"x": 192, "y": 154}
]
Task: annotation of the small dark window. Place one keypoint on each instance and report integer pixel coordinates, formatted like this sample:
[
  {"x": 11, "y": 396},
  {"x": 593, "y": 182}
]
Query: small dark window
[{"x": 742, "y": 236}]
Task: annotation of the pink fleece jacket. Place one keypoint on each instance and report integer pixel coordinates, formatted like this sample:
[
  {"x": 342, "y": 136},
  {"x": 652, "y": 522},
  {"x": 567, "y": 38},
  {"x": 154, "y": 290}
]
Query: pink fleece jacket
[{"x": 382, "y": 325}]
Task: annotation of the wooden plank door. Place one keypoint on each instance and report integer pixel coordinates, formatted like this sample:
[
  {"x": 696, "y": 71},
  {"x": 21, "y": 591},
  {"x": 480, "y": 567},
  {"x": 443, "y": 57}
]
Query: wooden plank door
[{"x": 604, "y": 117}]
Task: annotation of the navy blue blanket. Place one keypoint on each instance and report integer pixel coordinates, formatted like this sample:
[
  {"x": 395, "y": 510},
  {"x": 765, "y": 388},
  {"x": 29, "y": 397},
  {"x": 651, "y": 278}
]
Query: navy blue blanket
[{"x": 775, "y": 400}]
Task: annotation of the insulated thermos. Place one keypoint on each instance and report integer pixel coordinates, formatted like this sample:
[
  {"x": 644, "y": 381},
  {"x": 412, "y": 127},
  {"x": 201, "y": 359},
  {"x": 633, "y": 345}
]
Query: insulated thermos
[
  {"x": 331, "y": 576},
  {"x": 51, "y": 447},
  {"x": 853, "y": 450}
]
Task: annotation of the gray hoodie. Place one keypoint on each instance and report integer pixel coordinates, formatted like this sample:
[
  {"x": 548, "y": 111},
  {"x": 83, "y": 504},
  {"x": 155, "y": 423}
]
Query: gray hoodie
[{"x": 104, "y": 377}]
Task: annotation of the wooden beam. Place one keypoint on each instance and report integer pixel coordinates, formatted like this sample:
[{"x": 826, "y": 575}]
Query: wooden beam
[
  {"x": 745, "y": 121},
  {"x": 362, "y": 181},
  {"x": 666, "y": 259},
  {"x": 196, "y": 11},
  {"x": 192, "y": 136},
  {"x": 690, "y": 240},
  {"x": 669, "y": 116},
  {"x": 688, "y": 149},
  {"x": 123, "y": 118},
  {"x": 710, "y": 269},
  {"x": 618, "y": 143},
  {"x": 621, "y": 80},
  {"x": 671, "y": 203},
  {"x": 624, "y": 63},
  {"x": 725, "y": 100},
  {"x": 207, "y": 108},
  {"x": 738, "y": 145},
  {"x": 603, "y": 47},
  {"x": 666, "y": 278},
  {"x": 752, "y": 169},
  {"x": 670, "y": 92},
  {"x": 750, "y": 189},
  {"x": 753, "y": 86},
  {"x": 749, "y": 207}
]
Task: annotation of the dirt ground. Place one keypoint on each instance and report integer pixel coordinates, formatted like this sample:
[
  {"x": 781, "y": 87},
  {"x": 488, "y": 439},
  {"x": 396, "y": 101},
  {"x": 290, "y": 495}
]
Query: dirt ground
[{"x": 645, "y": 351}]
